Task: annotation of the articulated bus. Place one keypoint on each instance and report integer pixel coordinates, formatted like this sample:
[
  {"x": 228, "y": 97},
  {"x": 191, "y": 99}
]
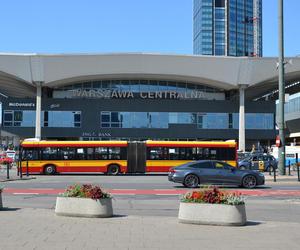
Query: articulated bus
[{"x": 114, "y": 157}]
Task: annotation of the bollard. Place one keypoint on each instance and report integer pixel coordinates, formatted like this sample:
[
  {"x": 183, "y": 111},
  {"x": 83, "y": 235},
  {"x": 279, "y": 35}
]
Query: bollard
[
  {"x": 21, "y": 173},
  {"x": 274, "y": 171},
  {"x": 18, "y": 170},
  {"x": 289, "y": 166},
  {"x": 7, "y": 170},
  {"x": 27, "y": 173},
  {"x": 297, "y": 166}
]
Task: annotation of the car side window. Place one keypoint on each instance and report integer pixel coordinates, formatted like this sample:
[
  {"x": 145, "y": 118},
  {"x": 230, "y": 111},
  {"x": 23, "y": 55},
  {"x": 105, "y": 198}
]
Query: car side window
[
  {"x": 222, "y": 165},
  {"x": 206, "y": 165},
  {"x": 261, "y": 158}
]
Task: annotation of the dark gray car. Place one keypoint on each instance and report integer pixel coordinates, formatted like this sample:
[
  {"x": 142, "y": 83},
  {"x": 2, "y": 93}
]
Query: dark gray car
[{"x": 193, "y": 174}]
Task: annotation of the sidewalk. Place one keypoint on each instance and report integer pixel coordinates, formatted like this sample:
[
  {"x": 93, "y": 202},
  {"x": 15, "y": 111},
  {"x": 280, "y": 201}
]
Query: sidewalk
[
  {"x": 42, "y": 229},
  {"x": 282, "y": 178},
  {"x": 13, "y": 176}
]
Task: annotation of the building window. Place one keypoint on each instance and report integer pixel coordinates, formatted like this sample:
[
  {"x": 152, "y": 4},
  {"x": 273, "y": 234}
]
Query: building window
[
  {"x": 62, "y": 119},
  {"x": 19, "y": 118},
  {"x": 163, "y": 120}
]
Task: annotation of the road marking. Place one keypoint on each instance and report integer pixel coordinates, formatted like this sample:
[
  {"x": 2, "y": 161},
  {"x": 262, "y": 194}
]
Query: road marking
[
  {"x": 133, "y": 189},
  {"x": 26, "y": 193},
  {"x": 168, "y": 194},
  {"x": 163, "y": 192},
  {"x": 41, "y": 188}
]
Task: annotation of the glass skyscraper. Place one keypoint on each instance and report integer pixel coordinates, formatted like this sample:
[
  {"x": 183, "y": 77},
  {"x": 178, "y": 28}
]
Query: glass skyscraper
[{"x": 228, "y": 27}]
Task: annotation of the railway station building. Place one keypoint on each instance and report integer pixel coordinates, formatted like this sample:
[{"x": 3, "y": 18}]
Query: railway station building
[{"x": 143, "y": 96}]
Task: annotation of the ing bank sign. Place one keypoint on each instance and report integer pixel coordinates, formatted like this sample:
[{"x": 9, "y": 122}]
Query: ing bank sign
[{"x": 114, "y": 94}]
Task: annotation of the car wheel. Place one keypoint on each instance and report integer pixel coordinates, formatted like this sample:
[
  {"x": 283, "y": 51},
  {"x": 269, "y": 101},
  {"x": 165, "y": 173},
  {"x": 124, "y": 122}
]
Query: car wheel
[
  {"x": 113, "y": 170},
  {"x": 191, "y": 181},
  {"x": 249, "y": 181},
  {"x": 242, "y": 168},
  {"x": 50, "y": 169}
]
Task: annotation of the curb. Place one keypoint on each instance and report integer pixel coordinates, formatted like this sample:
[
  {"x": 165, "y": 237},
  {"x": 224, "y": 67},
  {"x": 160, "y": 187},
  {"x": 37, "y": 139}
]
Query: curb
[{"x": 18, "y": 179}]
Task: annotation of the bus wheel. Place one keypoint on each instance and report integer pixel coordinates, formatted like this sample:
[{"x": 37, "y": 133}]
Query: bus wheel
[
  {"x": 50, "y": 169},
  {"x": 113, "y": 170},
  {"x": 191, "y": 181}
]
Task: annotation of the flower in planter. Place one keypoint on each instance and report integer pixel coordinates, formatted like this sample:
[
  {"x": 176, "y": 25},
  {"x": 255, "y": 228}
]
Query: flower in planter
[
  {"x": 6, "y": 160},
  {"x": 86, "y": 191},
  {"x": 213, "y": 195}
]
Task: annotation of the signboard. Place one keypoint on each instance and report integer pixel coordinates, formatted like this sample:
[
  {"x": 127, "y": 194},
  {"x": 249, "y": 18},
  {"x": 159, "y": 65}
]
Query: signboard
[{"x": 118, "y": 94}]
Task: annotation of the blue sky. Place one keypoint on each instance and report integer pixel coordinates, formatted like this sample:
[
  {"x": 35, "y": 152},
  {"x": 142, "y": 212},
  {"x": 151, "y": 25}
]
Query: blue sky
[{"x": 103, "y": 26}]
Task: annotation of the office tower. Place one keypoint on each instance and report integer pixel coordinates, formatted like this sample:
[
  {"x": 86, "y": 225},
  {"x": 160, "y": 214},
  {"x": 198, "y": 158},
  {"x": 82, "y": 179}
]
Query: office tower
[{"x": 228, "y": 27}]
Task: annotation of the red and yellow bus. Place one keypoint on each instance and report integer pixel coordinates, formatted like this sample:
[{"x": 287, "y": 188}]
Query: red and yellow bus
[{"x": 113, "y": 157}]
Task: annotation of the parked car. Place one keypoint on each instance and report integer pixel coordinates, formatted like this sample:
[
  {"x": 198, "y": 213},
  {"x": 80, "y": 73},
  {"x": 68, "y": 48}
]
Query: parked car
[
  {"x": 243, "y": 155},
  {"x": 193, "y": 174},
  {"x": 262, "y": 162}
]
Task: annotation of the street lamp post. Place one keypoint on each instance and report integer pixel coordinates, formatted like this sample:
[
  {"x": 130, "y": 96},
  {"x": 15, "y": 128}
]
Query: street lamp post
[{"x": 281, "y": 89}]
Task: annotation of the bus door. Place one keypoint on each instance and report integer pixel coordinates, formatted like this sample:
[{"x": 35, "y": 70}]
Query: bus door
[{"x": 136, "y": 157}]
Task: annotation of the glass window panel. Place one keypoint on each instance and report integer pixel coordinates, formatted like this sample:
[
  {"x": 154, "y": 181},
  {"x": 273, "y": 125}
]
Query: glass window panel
[
  {"x": 115, "y": 117},
  {"x": 140, "y": 120},
  {"x": 135, "y": 86},
  {"x": 90, "y": 153},
  {"x": 126, "y": 119},
  {"x": 80, "y": 153},
  {"x": 61, "y": 119},
  {"x": 8, "y": 115},
  {"x": 114, "y": 153},
  {"x": 18, "y": 116},
  {"x": 28, "y": 119},
  {"x": 101, "y": 153}
]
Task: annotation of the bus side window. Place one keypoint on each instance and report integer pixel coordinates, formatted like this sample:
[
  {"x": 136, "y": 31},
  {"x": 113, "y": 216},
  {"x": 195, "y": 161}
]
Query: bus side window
[
  {"x": 30, "y": 154},
  {"x": 189, "y": 154},
  {"x": 101, "y": 153},
  {"x": 174, "y": 153},
  {"x": 114, "y": 153},
  {"x": 80, "y": 153},
  {"x": 182, "y": 153},
  {"x": 66, "y": 153},
  {"x": 49, "y": 153},
  {"x": 90, "y": 153}
]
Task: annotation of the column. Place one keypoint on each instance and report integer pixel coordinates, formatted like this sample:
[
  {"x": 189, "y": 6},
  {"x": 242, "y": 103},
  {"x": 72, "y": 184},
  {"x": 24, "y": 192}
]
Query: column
[
  {"x": 38, "y": 110},
  {"x": 242, "y": 119}
]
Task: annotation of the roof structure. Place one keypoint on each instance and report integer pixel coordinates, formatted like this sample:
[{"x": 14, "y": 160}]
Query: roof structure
[{"x": 20, "y": 72}]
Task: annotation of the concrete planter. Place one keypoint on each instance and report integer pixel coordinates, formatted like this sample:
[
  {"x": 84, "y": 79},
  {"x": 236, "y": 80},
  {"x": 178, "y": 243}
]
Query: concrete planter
[
  {"x": 212, "y": 214},
  {"x": 84, "y": 207}
]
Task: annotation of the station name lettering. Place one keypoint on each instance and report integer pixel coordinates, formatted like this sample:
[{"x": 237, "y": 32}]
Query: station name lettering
[{"x": 109, "y": 94}]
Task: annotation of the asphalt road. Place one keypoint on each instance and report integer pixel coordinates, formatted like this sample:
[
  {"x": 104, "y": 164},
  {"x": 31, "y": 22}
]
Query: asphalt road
[{"x": 150, "y": 195}]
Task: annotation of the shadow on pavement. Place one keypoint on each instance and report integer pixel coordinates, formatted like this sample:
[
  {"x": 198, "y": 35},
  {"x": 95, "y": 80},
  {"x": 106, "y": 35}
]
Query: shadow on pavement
[
  {"x": 9, "y": 209},
  {"x": 119, "y": 216},
  {"x": 252, "y": 223},
  {"x": 224, "y": 187}
]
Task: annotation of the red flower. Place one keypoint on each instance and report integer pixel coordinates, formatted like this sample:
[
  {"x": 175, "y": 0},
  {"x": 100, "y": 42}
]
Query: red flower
[{"x": 196, "y": 195}]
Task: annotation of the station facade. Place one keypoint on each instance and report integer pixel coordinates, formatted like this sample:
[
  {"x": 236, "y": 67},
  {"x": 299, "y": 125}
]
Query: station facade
[{"x": 137, "y": 97}]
